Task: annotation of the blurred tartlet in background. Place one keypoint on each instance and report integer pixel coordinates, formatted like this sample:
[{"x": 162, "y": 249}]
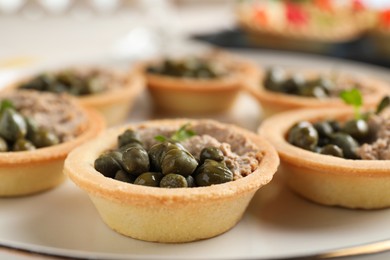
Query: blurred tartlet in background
[
  {"x": 303, "y": 25},
  {"x": 281, "y": 89},
  {"x": 37, "y": 131},
  {"x": 111, "y": 92},
  {"x": 381, "y": 32},
  {"x": 197, "y": 84}
]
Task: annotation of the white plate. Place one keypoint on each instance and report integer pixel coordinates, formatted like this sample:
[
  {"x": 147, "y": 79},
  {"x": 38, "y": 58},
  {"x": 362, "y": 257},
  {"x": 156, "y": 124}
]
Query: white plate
[{"x": 277, "y": 224}]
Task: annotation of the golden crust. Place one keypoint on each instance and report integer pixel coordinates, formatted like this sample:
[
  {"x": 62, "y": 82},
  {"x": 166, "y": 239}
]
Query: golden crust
[
  {"x": 326, "y": 179},
  {"x": 273, "y": 102},
  {"x": 28, "y": 172},
  {"x": 199, "y": 96},
  {"x": 191, "y": 207},
  {"x": 113, "y": 104}
]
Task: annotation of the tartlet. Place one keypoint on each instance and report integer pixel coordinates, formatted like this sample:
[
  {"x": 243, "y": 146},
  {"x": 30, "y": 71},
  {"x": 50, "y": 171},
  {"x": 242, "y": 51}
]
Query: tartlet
[
  {"x": 306, "y": 25},
  {"x": 328, "y": 180},
  {"x": 28, "y": 172},
  {"x": 275, "y": 102},
  {"x": 116, "y": 99},
  {"x": 177, "y": 214},
  {"x": 190, "y": 96}
]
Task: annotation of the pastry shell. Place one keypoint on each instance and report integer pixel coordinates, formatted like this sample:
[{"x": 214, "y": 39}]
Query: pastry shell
[
  {"x": 188, "y": 96},
  {"x": 328, "y": 180},
  {"x": 28, "y": 172},
  {"x": 114, "y": 104},
  {"x": 168, "y": 215},
  {"x": 274, "y": 102}
]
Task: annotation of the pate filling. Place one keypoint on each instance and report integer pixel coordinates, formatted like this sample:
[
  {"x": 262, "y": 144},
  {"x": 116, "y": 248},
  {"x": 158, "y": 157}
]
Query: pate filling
[
  {"x": 240, "y": 154},
  {"x": 379, "y": 149}
]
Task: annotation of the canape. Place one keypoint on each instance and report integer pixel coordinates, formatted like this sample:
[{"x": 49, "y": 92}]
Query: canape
[{"x": 202, "y": 204}]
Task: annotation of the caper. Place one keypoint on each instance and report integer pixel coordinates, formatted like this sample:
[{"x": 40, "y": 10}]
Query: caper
[
  {"x": 94, "y": 85},
  {"x": 12, "y": 125},
  {"x": 213, "y": 153},
  {"x": 347, "y": 143},
  {"x": 333, "y": 150},
  {"x": 212, "y": 172},
  {"x": 190, "y": 181},
  {"x": 108, "y": 164},
  {"x": 173, "y": 181},
  {"x": 44, "y": 138},
  {"x": 129, "y": 136},
  {"x": 121, "y": 175},
  {"x": 385, "y": 102},
  {"x": 303, "y": 135},
  {"x": 274, "y": 79},
  {"x": 23, "y": 145},
  {"x": 335, "y": 125},
  {"x": 324, "y": 129},
  {"x": 126, "y": 147},
  {"x": 358, "y": 129},
  {"x": 293, "y": 84},
  {"x": 3, "y": 145},
  {"x": 312, "y": 91},
  {"x": 32, "y": 127},
  {"x": 178, "y": 161},
  {"x": 135, "y": 161},
  {"x": 149, "y": 179},
  {"x": 156, "y": 152},
  {"x": 325, "y": 83}
]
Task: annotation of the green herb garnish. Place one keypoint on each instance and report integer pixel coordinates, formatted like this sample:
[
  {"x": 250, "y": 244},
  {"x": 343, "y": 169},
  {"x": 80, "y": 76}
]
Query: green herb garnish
[
  {"x": 5, "y": 104},
  {"x": 354, "y": 98},
  {"x": 180, "y": 135}
]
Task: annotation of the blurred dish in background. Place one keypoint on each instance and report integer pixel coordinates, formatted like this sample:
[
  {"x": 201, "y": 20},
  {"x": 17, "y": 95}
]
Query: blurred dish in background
[
  {"x": 381, "y": 32},
  {"x": 197, "y": 85},
  {"x": 111, "y": 92},
  {"x": 280, "y": 90},
  {"x": 304, "y": 25}
]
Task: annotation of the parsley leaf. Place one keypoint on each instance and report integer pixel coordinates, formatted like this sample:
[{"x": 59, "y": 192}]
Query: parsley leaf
[
  {"x": 354, "y": 98},
  {"x": 180, "y": 135}
]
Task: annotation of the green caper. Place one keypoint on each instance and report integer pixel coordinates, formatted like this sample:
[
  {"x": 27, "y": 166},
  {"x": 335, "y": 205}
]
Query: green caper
[
  {"x": 293, "y": 84},
  {"x": 385, "y": 102},
  {"x": 3, "y": 145},
  {"x": 347, "y": 143},
  {"x": 94, "y": 85},
  {"x": 129, "y": 136},
  {"x": 335, "y": 125},
  {"x": 44, "y": 138},
  {"x": 312, "y": 91},
  {"x": 108, "y": 163},
  {"x": 12, "y": 125},
  {"x": 173, "y": 180},
  {"x": 324, "y": 129},
  {"x": 303, "y": 135},
  {"x": 151, "y": 179},
  {"x": 325, "y": 83},
  {"x": 333, "y": 150},
  {"x": 178, "y": 161},
  {"x": 274, "y": 79},
  {"x": 32, "y": 127},
  {"x": 358, "y": 129},
  {"x": 121, "y": 175},
  {"x": 23, "y": 145},
  {"x": 190, "y": 181},
  {"x": 126, "y": 147},
  {"x": 212, "y": 153},
  {"x": 156, "y": 152},
  {"x": 212, "y": 172},
  {"x": 135, "y": 161}
]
